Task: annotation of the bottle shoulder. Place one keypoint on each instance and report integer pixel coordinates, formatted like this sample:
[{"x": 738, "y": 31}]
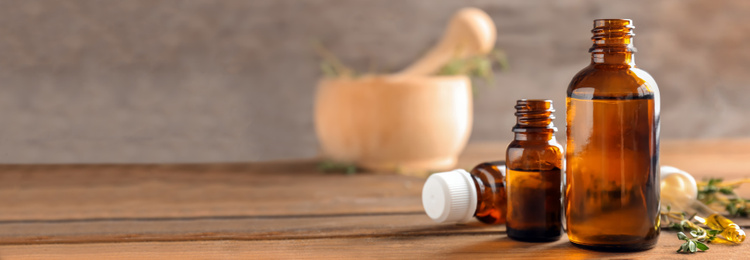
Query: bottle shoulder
[
  {"x": 612, "y": 81},
  {"x": 522, "y": 155},
  {"x": 552, "y": 146},
  {"x": 488, "y": 175},
  {"x": 489, "y": 170}
]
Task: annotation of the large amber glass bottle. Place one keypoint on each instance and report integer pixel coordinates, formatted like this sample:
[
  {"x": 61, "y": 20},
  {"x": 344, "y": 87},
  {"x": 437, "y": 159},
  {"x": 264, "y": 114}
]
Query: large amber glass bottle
[
  {"x": 534, "y": 162},
  {"x": 612, "y": 175}
]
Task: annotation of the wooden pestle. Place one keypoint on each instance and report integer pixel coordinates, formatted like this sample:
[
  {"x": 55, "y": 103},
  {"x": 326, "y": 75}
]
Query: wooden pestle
[{"x": 470, "y": 32}]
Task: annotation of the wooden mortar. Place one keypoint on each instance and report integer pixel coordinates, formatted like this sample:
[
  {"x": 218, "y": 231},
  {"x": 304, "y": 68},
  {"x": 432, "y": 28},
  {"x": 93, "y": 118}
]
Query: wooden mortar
[{"x": 412, "y": 125}]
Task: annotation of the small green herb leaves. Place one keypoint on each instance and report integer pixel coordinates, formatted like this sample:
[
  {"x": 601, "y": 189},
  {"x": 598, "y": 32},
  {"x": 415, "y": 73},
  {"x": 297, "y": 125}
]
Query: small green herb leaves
[
  {"x": 691, "y": 245},
  {"x": 331, "y": 166},
  {"x": 475, "y": 66},
  {"x": 701, "y": 246},
  {"x": 478, "y": 66},
  {"x": 716, "y": 191},
  {"x": 330, "y": 65}
]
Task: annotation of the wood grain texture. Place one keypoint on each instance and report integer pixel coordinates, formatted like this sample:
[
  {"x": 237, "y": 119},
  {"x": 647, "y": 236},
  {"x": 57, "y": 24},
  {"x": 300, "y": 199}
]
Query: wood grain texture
[
  {"x": 279, "y": 210},
  {"x": 460, "y": 246},
  {"x": 397, "y": 225},
  {"x": 46, "y": 192}
]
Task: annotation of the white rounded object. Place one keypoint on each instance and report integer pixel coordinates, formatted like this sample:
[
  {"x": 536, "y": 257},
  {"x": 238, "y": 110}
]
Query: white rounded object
[
  {"x": 450, "y": 196},
  {"x": 677, "y": 186}
]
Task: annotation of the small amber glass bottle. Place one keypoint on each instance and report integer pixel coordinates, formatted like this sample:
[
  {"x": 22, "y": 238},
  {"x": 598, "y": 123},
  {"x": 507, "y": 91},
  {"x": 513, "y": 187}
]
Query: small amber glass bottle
[
  {"x": 534, "y": 179},
  {"x": 612, "y": 155},
  {"x": 458, "y": 195}
]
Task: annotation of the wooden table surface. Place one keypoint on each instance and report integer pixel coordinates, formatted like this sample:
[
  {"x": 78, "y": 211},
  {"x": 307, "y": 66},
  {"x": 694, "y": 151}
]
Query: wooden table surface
[{"x": 283, "y": 210}]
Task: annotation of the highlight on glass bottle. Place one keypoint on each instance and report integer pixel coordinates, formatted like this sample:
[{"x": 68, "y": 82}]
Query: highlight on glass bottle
[
  {"x": 458, "y": 195},
  {"x": 612, "y": 152},
  {"x": 534, "y": 160}
]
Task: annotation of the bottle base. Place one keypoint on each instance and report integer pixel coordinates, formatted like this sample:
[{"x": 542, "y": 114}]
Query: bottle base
[
  {"x": 540, "y": 235},
  {"x": 616, "y": 248},
  {"x": 535, "y": 239}
]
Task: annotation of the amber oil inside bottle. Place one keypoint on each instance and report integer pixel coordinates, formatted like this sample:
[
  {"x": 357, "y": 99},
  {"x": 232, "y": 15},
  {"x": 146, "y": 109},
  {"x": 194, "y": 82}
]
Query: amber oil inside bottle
[
  {"x": 533, "y": 181},
  {"x": 612, "y": 179},
  {"x": 491, "y": 197}
]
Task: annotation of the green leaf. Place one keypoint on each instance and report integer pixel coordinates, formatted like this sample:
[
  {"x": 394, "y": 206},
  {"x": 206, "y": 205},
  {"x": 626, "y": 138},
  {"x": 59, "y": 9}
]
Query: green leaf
[
  {"x": 337, "y": 167},
  {"x": 480, "y": 66},
  {"x": 501, "y": 59},
  {"x": 744, "y": 210},
  {"x": 676, "y": 227},
  {"x": 726, "y": 191},
  {"x": 683, "y": 248},
  {"x": 681, "y": 236},
  {"x": 714, "y": 232},
  {"x": 351, "y": 169},
  {"x": 692, "y": 246},
  {"x": 701, "y": 246},
  {"x": 732, "y": 209}
]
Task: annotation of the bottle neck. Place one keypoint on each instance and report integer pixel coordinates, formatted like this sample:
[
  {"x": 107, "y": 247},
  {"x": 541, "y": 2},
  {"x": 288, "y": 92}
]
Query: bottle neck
[
  {"x": 613, "y": 42},
  {"x": 534, "y": 120},
  {"x": 613, "y": 58},
  {"x": 544, "y": 137}
]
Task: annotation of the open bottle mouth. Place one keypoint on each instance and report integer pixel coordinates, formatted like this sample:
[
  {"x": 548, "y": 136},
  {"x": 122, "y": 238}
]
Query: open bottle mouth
[
  {"x": 534, "y": 115},
  {"x": 622, "y": 24},
  {"x": 613, "y": 35}
]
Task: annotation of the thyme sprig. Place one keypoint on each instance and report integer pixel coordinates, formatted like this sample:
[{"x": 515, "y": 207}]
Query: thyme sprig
[
  {"x": 691, "y": 245},
  {"x": 478, "y": 66},
  {"x": 700, "y": 231},
  {"x": 329, "y": 166},
  {"x": 330, "y": 65},
  {"x": 698, "y": 238},
  {"x": 719, "y": 194}
]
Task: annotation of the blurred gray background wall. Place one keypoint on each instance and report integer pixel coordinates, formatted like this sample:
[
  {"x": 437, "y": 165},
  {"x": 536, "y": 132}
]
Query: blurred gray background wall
[{"x": 200, "y": 81}]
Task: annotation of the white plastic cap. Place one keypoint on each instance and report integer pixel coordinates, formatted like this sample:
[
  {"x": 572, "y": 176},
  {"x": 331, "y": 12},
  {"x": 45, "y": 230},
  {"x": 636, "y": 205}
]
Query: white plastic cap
[{"x": 450, "y": 196}]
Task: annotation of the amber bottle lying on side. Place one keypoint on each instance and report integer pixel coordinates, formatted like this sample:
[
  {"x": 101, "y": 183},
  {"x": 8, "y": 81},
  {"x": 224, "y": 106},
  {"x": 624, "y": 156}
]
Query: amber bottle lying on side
[{"x": 458, "y": 195}]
